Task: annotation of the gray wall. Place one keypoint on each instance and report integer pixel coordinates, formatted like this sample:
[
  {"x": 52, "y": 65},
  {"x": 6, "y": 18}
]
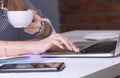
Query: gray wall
[{"x": 50, "y": 10}]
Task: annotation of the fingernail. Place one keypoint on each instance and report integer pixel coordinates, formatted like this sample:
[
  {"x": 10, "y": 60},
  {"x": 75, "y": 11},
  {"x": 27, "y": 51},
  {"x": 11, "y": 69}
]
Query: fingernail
[
  {"x": 61, "y": 47},
  {"x": 77, "y": 49},
  {"x": 70, "y": 48}
]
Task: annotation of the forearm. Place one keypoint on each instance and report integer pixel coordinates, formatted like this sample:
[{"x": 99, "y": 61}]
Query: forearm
[{"x": 12, "y": 48}]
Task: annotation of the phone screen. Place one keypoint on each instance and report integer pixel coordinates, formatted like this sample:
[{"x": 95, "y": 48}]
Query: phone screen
[{"x": 33, "y": 67}]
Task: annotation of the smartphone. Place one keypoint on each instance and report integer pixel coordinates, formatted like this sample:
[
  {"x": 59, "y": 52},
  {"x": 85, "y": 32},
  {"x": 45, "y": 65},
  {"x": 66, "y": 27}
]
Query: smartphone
[{"x": 33, "y": 67}]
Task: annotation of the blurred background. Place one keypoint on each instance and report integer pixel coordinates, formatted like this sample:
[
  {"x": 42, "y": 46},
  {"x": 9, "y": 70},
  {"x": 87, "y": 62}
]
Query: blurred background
[{"x": 67, "y": 15}]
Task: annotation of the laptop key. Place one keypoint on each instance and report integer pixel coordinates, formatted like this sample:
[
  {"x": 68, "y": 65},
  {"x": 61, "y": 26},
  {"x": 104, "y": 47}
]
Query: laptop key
[{"x": 100, "y": 47}]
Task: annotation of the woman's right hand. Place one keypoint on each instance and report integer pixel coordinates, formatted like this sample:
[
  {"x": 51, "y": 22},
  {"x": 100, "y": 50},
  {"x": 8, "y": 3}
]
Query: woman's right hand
[{"x": 50, "y": 43}]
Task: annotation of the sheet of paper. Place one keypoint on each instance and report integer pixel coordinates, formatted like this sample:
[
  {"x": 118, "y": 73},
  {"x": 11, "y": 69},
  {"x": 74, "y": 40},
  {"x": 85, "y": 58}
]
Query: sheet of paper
[{"x": 23, "y": 59}]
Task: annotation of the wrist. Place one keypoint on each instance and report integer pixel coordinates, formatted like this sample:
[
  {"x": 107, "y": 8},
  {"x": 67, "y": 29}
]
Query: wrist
[
  {"x": 47, "y": 30},
  {"x": 2, "y": 48},
  {"x": 15, "y": 48},
  {"x": 5, "y": 47},
  {"x": 41, "y": 29}
]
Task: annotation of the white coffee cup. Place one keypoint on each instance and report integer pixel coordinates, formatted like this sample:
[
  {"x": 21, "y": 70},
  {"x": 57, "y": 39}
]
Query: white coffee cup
[{"x": 20, "y": 19}]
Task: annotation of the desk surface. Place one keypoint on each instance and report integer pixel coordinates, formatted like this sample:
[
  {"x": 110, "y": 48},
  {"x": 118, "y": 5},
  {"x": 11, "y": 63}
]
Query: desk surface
[{"x": 77, "y": 67}]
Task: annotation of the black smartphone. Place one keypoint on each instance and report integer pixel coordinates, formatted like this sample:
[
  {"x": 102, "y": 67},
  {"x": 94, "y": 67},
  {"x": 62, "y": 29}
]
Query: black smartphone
[{"x": 33, "y": 67}]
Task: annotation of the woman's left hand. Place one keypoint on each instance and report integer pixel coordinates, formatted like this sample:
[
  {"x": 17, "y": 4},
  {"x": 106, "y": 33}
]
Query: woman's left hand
[{"x": 35, "y": 25}]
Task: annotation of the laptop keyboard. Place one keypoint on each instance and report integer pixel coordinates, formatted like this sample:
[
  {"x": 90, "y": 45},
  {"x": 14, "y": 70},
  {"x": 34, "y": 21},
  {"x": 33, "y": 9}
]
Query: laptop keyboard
[{"x": 100, "y": 47}]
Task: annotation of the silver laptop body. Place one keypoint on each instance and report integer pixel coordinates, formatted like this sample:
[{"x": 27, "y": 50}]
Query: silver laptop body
[{"x": 84, "y": 45}]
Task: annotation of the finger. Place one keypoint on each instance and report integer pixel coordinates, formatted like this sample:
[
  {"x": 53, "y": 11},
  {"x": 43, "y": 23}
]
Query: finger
[
  {"x": 36, "y": 17},
  {"x": 64, "y": 41},
  {"x": 58, "y": 44},
  {"x": 34, "y": 14},
  {"x": 74, "y": 47}
]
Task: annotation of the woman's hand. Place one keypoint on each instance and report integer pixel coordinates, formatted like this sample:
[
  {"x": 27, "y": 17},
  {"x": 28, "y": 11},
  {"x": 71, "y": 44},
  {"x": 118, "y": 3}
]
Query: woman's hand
[
  {"x": 35, "y": 25},
  {"x": 50, "y": 43}
]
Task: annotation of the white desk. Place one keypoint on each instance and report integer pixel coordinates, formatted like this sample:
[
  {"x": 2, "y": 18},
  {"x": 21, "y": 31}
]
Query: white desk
[{"x": 77, "y": 67}]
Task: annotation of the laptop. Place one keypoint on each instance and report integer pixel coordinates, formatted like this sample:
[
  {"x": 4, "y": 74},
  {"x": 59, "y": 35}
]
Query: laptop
[{"x": 106, "y": 48}]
